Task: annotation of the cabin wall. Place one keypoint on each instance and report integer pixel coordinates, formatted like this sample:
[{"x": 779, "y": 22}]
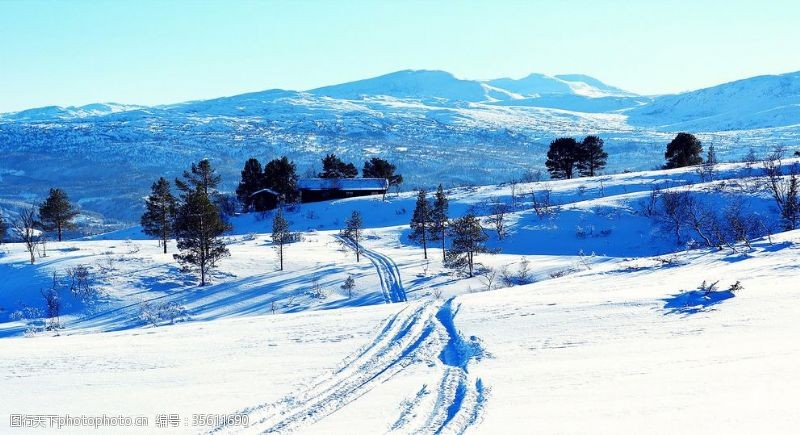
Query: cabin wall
[{"x": 325, "y": 195}]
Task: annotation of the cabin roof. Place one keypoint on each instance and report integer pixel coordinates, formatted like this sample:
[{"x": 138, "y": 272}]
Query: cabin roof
[
  {"x": 270, "y": 191},
  {"x": 343, "y": 184}
]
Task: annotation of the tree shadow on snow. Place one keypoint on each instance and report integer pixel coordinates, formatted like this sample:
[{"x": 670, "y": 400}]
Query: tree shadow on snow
[{"x": 694, "y": 301}]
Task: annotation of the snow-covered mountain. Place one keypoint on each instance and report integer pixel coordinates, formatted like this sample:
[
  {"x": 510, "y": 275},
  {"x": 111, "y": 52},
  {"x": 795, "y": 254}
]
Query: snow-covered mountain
[
  {"x": 567, "y": 84},
  {"x": 50, "y": 113},
  {"x": 434, "y": 126},
  {"x": 429, "y": 86},
  {"x": 757, "y": 102},
  {"x": 440, "y": 87}
]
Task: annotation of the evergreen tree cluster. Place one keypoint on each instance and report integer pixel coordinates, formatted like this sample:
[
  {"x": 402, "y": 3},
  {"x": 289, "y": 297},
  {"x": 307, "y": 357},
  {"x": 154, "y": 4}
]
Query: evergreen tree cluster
[
  {"x": 193, "y": 219},
  {"x": 566, "y": 156},
  {"x": 685, "y": 150},
  {"x": 334, "y": 167},
  {"x": 429, "y": 220},
  {"x": 278, "y": 175}
]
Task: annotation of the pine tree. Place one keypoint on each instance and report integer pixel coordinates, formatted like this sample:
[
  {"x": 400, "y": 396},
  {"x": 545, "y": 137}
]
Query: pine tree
[
  {"x": 380, "y": 168},
  {"x": 468, "y": 239},
  {"x": 439, "y": 218},
  {"x": 684, "y": 150},
  {"x": 198, "y": 227},
  {"x": 592, "y": 157},
  {"x": 334, "y": 167},
  {"x": 711, "y": 157},
  {"x": 421, "y": 221},
  {"x": 352, "y": 232},
  {"x": 281, "y": 234},
  {"x": 280, "y": 175},
  {"x": 56, "y": 212},
  {"x": 252, "y": 181},
  {"x": 158, "y": 219},
  {"x": 348, "y": 285},
  {"x": 562, "y": 157},
  {"x": 203, "y": 176},
  {"x": 790, "y": 212}
]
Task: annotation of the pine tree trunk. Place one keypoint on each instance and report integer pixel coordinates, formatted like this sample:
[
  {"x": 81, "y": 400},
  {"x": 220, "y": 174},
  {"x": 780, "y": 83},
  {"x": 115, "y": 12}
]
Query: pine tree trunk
[
  {"x": 281, "y": 254},
  {"x": 59, "y": 232},
  {"x": 444, "y": 253},
  {"x": 424, "y": 241}
]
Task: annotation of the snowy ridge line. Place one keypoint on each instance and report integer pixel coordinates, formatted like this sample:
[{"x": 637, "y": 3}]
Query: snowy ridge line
[
  {"x": 388, "y": 272},
  {"x": 425, "y": 335}
]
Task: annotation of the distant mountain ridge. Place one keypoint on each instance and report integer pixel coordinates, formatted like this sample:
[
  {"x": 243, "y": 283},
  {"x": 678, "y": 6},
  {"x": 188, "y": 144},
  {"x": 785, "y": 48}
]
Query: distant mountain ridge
[
  {"x": 428, "y": 86},
  {"x": 435, "y": 127},
  {"x": 758, "y": 102}
]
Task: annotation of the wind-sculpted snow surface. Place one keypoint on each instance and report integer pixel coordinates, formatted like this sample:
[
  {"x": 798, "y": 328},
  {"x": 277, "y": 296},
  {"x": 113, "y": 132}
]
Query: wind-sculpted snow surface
[{"x": 421, "y": 333}]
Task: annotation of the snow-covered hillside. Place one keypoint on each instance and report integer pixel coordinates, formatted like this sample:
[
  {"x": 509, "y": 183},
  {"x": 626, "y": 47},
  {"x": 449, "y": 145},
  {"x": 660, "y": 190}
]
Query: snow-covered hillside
[
  {"x": 757, "y": 102},
  {"x": 422, "y": 121},
  {"x": 605, "y": 332}
]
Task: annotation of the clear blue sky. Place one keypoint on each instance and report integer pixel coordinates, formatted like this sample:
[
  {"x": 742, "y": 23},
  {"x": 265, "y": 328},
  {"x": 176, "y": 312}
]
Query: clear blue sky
[{"x": 151, "y": 52}]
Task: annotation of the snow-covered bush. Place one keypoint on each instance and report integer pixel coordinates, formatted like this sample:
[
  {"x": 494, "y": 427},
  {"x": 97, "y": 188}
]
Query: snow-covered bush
[
  {"x": 521, "y": 276},
  {"x": 81, "y": 284},
  {"x": 562, "y": 272},
  {"x": 155, "y": 313},
  {"x": 317, "y": 290}
]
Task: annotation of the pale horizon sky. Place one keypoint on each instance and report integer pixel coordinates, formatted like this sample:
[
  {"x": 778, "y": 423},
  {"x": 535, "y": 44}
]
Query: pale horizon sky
[{"x": 158, "y": 52}]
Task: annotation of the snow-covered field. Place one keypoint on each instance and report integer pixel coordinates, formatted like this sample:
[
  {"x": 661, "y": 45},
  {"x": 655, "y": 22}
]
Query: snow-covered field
[{"x": 610, "y": 336}]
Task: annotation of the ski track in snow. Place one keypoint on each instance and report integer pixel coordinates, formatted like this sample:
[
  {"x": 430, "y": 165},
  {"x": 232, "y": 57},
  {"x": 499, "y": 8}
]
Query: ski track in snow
[
  {"x": 421, "y": 333},
  {"x": 389, "y": 274}
]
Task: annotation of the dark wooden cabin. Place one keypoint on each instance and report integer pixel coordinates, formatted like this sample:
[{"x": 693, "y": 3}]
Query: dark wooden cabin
[
  {"x": 264, "y": 199},
  {"x": 323, "y": 189}
]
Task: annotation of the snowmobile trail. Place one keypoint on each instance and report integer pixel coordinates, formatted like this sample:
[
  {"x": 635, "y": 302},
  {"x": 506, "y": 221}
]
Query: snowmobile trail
[
  {"x": 389, "y": 274},
  {"x": 421, "y": 333}
]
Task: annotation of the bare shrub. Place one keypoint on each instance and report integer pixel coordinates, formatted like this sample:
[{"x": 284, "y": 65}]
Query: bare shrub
[
  {"x": 562, "y": 272},
  {"x": 708, "y": 288},
  {"x": 317, "y": 290},
  {"x": 673, "y": 213},
  {"x": 497, "y": 218},
  {"x": 649, "y": 206},
  {"x": 489, "y": 279},
  {"x": 52, "y": 305},
  {"x": 155, "y": 313},
  {"x": 543, "y": 204}
]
